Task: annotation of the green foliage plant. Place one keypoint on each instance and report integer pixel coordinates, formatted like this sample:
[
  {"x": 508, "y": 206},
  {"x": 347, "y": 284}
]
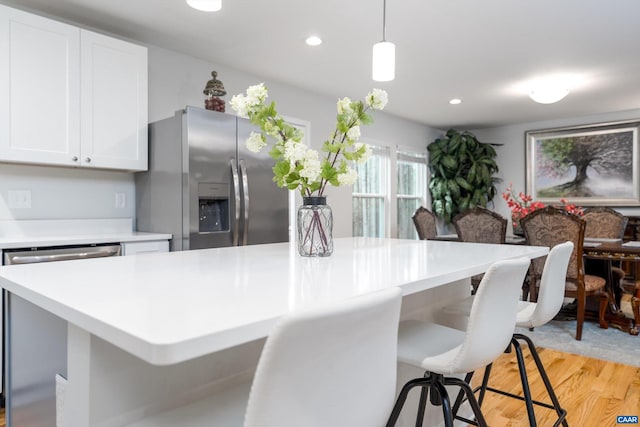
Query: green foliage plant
[{"x": 462, "y": 173}]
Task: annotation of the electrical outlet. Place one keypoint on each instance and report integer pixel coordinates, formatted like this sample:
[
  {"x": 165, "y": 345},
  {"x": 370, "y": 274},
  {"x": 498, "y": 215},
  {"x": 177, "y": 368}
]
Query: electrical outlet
[
  {"x": 121, "y": 200},
  {"x": 19, "y": 199}
]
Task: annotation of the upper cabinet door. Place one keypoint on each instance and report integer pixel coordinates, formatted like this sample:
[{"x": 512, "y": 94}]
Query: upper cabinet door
[
  {"x": 39, "y": 90},
  {"x": 114, "y": 103}
]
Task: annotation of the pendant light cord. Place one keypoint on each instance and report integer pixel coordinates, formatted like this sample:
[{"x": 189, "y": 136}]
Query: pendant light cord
[{"x": 384, "y": 20}]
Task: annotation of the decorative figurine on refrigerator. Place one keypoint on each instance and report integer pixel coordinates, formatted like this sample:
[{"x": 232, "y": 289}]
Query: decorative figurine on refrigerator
[{"x": 214, "y": 90}]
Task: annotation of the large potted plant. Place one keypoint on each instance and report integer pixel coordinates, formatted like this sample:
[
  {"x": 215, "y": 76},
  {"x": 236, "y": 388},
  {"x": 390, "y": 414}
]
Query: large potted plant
[{"x": 462, "y": 173}]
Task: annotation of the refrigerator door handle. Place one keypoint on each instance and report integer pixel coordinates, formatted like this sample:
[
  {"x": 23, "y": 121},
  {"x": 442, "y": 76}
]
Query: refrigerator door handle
[
  {"x": 236, "y": 199},
  {"x": 245, "y": 192}
]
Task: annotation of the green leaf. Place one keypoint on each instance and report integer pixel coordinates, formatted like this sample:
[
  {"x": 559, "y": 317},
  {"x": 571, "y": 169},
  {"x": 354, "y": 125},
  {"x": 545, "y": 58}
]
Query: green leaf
[{"x": 463, "y": 183}]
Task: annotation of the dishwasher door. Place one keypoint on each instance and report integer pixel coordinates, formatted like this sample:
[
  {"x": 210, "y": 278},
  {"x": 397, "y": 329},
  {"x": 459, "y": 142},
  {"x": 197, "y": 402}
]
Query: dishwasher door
[
  {"x": 30, "y": 393},
  {"x": 60, "y": 253}
]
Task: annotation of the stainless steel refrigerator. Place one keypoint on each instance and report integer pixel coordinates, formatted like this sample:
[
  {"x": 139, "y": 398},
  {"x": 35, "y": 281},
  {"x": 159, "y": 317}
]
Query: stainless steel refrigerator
[{"x": 205, "y": 187}]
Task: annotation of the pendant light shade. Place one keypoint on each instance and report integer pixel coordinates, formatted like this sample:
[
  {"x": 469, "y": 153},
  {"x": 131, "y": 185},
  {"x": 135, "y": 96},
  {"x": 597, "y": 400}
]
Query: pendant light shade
[
  {"x": 383, "y": 67},
  {"x": 384, "y": 61},
  {"x": 206, "y": 5}
]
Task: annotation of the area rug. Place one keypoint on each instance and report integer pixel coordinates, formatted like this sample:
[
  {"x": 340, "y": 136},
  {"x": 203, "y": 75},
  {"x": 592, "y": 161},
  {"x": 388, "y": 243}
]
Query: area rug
[{"x": 608, "y": 344}]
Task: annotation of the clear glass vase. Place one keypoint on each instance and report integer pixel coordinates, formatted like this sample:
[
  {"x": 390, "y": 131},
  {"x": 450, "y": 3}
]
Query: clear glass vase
[{"x": 315, "y": 224}]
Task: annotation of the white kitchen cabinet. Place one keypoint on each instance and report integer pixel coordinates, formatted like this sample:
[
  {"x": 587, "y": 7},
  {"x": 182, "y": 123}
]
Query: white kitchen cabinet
[
  {"x": 132, "y": 248},
  {"x": 70, "y": 97}
]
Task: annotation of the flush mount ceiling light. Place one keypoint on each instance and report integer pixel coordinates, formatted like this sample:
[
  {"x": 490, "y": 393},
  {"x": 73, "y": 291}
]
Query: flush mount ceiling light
[
  {"x": 384, "y": 54},
  {"x": 549, "y": 90},
  {"x": 455, "y": 101},
  {"x": 206, "y": 5},
  {"x": 313, "y": 41}
]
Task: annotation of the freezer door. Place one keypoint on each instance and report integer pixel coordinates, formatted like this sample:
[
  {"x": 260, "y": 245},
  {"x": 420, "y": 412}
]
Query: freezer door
[
  {"x": 212, "y": 207},
  {"x": 265, "y": 217}
]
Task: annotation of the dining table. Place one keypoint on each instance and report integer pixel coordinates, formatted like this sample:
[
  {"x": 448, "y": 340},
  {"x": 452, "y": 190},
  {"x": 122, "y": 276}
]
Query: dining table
[{"x": 146, "y": 332}]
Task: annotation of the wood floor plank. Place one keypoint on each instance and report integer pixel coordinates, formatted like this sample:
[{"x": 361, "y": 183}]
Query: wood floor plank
[{"x": 594, "y": 392}]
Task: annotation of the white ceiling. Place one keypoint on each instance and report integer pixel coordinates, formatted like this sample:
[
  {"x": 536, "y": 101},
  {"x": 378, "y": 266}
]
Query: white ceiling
[{"x": 482, "y": 51}]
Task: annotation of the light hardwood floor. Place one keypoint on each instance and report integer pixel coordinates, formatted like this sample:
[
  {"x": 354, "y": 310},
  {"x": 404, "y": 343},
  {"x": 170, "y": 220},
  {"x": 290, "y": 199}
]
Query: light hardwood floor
[{"x": 592, "y": 391}]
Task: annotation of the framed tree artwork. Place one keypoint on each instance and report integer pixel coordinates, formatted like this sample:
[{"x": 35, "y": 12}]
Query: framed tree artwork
[{"x": 587, "y": 165}]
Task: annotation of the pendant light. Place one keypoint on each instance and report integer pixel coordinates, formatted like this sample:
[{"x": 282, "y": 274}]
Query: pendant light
[
  {"x": 384, "y": 54},
  {"x": 206, "y": 5}
]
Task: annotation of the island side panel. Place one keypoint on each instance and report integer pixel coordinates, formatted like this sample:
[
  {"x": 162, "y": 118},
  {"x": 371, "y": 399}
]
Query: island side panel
[{"x": 36, "y": 350}]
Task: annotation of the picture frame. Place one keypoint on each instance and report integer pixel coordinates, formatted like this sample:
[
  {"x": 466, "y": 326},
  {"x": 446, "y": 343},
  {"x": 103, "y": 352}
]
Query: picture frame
[{"x": 587, "y": 165}]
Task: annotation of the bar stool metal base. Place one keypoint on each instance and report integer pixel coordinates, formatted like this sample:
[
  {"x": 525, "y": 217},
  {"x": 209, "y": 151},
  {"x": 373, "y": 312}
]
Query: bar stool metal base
[{"x": 529, "y": 401}]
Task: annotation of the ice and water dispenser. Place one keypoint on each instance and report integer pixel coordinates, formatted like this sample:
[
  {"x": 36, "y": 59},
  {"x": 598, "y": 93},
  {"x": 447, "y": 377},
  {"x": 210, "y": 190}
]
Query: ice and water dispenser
[{"x": 213, "y": 200}]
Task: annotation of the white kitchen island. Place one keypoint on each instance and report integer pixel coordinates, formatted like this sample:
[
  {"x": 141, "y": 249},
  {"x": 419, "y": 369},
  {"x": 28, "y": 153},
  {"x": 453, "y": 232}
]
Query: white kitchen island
[{"x": 149, "y": 332}]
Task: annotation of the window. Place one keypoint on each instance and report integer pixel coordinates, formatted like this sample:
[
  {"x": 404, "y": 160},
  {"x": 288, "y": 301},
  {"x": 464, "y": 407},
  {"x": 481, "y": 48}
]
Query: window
[
  {"x": 369, "y": 195},
  {"x": 412, "y": 190},
  {"x": 383, "y": 206}
]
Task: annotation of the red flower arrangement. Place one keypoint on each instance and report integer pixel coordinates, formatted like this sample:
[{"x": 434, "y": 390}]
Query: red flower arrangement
[{"x": 522, "y": 205}]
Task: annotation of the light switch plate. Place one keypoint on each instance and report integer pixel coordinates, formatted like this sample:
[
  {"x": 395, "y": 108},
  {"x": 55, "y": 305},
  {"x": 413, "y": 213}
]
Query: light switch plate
[
  {"x": 121, "y": 200},
  {"x": 19, "y": 199}
]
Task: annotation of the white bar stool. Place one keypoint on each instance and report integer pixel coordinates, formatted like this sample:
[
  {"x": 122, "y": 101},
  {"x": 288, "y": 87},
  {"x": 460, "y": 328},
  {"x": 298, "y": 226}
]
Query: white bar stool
[
  {"x": 530, "y": 315},
  {"x": 442, "y": 351},
  {"x": 329, "y": 366}
]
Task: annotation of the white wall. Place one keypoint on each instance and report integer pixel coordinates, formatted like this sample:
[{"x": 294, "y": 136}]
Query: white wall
[{"x": 511, "y": 156}]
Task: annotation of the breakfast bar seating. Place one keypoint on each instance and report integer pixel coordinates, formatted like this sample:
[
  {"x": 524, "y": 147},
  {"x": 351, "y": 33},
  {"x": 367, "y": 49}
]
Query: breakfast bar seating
[
  {"x": 444, "y": 352},
  {"x": 159, "y": 331}
]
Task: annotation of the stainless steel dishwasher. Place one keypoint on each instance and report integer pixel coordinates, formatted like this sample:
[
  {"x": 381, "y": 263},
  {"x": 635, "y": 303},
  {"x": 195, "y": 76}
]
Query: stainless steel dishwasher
[{"x": 30, "y": 394}]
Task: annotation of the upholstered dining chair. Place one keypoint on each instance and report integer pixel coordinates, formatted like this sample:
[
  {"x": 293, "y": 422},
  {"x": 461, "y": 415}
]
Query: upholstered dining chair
[
  {"x": 530, "y": 315},
  {"x": 551, "y": 226},
  {"x": 328, "y": 366},
  {"x": 425, "y": 222},
  {"x": 480, "y": 225},
  {"x": 604, "y": 223},
  {"x": 444, "y": 352}
]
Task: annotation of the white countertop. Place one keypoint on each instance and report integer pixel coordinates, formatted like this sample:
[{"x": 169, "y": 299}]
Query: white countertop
[
  {"x": 79, "y": 239},
  {"x": 170, "y": 307},
  {"x": 61, "y": 232}
]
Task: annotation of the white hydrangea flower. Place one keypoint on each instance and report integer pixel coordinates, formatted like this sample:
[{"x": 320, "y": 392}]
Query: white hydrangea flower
[
  {"x": 348, "y": 178},
  {"x": 255, "y": 142},
  {"x": 344, "y": 106},
  {"x": 294, "y": 151},
  {"x": 367, "y": 152},
  {"x": 240, "y": 105},
  {"x": 256, "y": 94},
  {"x": 354, "y": 133},
  {"x": 311, "y": 166},
  {"x": 377, "y": 99}
]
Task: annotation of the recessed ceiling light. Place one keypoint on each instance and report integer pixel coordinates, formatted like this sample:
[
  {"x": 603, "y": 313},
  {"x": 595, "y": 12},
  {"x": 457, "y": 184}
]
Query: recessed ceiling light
[
  {"x": 455, "y": 101},
  {"x": 313, "y": 41},
  {"x": 206, "y": 5}
]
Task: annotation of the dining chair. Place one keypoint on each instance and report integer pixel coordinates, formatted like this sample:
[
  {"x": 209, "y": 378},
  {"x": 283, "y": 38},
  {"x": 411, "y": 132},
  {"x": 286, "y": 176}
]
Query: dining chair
[
  {"x": 425, "y": 222},
  {"x": 328, "y": 366},
  {"x": 551, "y": 226},
  {"x": 444, "y": 352},
  {"x": 480, "y": 225},
  {"x": 530, "y": 315},
  {"x": 606, "y": 223}
]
